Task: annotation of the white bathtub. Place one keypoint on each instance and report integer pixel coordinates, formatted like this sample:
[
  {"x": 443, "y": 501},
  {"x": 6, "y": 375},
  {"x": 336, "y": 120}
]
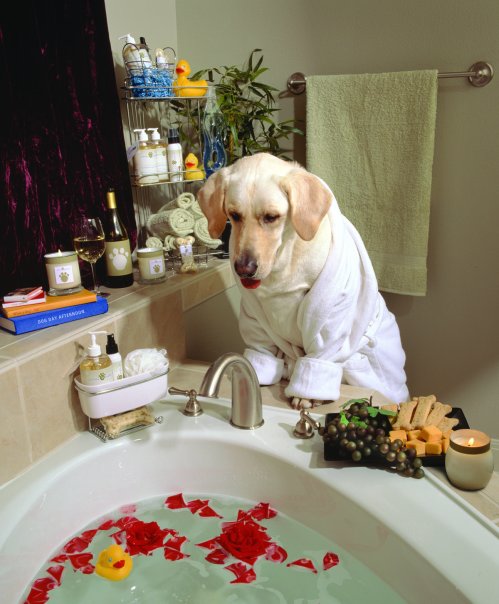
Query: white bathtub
[{"x": 416, "y": 535}]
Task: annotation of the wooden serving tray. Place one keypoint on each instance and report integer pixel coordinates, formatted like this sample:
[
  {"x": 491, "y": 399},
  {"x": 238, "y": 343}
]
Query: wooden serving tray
[{"x": 330, "y": 453}]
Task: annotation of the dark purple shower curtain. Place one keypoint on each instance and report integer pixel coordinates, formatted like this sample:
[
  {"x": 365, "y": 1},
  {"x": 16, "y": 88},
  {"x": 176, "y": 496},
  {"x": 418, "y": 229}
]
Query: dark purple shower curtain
[{"x": 61, "y": 137}]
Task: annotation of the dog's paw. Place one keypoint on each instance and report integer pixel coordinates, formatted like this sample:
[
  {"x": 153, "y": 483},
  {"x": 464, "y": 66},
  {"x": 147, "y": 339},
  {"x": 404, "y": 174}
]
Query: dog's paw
[{"x": 303, "y": 403}]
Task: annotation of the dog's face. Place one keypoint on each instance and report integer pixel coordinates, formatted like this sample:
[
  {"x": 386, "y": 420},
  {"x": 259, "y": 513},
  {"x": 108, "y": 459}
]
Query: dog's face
[{"x": 267, "y": 201}]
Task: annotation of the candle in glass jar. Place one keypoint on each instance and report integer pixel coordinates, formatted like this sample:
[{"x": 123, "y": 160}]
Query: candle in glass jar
[
  {"x": 469, "y": 462},
  {"x": 63, "y": 273},
  {"x": 151, "y": 264}
]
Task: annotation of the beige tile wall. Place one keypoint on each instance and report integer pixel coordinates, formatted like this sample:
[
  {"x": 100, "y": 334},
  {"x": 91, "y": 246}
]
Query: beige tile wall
[{"x": 39, "y": 406}]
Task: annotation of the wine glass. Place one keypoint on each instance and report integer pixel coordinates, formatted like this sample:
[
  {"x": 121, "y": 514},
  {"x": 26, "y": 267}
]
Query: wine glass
[{"x": 89, "y": 243}]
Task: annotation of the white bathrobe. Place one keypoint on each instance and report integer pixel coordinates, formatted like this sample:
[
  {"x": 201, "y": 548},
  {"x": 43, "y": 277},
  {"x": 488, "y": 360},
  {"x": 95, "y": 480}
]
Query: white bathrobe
[{"x": 348, "y": 334}]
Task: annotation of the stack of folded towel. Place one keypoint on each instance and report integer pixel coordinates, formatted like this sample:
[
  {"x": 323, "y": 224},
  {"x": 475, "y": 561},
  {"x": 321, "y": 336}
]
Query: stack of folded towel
[{"x": 179, "y": 218}]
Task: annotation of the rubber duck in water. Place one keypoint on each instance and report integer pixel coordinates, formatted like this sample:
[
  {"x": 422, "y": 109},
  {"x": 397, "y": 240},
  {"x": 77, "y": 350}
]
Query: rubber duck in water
[
  {"x": 114, "y": 564},
  {"x": 192, "y": 172},
  {"x": 185, "y": 87}
]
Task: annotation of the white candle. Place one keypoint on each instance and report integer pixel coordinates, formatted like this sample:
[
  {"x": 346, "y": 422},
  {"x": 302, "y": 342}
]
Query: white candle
[
  {"x": 63, "y": 273},
  {"x": 469, "y": 462},
  {"x": 151, "y": 264}
]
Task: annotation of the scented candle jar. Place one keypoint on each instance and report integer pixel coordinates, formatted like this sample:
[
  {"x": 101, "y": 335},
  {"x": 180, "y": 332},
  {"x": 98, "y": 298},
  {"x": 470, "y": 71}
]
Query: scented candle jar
[
  {"x": 469, "y": 461},
  {"x": 151, "y": 265},
  {"x": 63, "y": 273}
]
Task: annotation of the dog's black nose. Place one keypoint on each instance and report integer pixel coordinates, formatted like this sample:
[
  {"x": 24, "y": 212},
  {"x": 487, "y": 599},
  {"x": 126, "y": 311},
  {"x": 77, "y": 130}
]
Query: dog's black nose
[{"x": 245, "y": 266}]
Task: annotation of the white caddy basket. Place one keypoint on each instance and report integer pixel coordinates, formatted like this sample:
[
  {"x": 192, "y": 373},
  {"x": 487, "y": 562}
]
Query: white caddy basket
[{"x": 122, "y": 395}]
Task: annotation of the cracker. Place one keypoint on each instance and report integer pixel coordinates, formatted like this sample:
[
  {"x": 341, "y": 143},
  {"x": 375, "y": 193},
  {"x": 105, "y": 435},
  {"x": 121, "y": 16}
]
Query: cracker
[
  {"x": 437, "y": 414},
  {"x": 404, "y": 417},
  {"x": 422, "y": 411},
  {"x": 448, "y": 423}
]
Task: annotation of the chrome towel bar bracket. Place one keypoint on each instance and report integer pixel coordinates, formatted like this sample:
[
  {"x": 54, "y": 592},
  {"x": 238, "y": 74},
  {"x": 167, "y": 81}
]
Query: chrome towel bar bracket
[{"x": 479, "y": 75}]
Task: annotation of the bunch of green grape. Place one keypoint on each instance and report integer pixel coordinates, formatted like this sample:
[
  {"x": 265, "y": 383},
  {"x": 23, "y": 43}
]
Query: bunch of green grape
[{"x": 360, "y": 433}]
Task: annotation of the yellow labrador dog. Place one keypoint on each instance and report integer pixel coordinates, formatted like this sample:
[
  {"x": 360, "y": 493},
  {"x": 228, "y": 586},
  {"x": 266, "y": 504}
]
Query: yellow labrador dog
[{"x": 311, "y": 312}]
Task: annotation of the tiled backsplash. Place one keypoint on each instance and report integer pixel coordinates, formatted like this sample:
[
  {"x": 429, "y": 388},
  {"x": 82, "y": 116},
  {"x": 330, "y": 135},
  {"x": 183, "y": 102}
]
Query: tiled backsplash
[{"x": 39, "y": 406}]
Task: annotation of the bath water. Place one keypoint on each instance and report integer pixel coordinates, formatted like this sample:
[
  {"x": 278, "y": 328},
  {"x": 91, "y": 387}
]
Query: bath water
[{"x": 194, "y": 580}]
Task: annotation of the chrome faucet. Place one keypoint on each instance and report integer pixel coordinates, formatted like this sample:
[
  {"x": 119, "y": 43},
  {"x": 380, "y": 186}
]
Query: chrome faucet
[{"x": 246, "y": 396}]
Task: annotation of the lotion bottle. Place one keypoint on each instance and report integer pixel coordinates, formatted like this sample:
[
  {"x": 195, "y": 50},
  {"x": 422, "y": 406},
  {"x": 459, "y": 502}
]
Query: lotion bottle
[
  {"x": 96, "y": 368},
  {"x": 175, "y": 159},
  {"x": 131, "y": 54},
  {"x": 160, "y": 150},
  {"x": 115, "y": 356},
  {"x": 144, "y": 160}
]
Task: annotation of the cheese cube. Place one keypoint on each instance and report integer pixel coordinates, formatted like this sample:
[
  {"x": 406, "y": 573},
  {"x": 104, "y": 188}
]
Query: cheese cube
[
  {"x": 431, "y": 434},
  {"x": 413, "y": 434},
  {"x": 433, "y": 448},
  {"x": 445, "y": 444},
  {"x": 419, "y": 445},
  {"x": 401, "y": 434}
]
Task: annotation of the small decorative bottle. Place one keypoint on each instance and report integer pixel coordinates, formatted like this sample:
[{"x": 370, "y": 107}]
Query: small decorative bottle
[
  {"x": 96, "y": 368},
  {"x": 175, "y": 159},
  {"x": 118, "y": 255},
  {"x": 214, "y": 156}
]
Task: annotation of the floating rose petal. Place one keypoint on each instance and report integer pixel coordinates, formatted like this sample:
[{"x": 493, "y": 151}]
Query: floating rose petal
[
  {"x": 262, "y": 511},
  {"x": 144, "y": 537},
  {"x": 197, "y": 504},
  {"x": 44, "y": 584},
  {"x": 37, "y": 596},
  {"x": 81, "y": 562},
  {"x": 244, "y": 574},
  {"x": 89, "y": 535},
  {"x": 75, "y": 546},
  {"x": 175, "y": 502},
  {"x": 330, "y": 560},
  {"x": 208, "y": 512},
  {"x": 56, "y": 572},
  {"x": 173, "y": 554},
  {"x": 210, "y": 544},
  {"x": 217, "y": 556},
  {"x": 60, "y": 558},
  {"x": 125, "y": 521},
  {"x": 245, "y": 540},
  {"x": 275, "y": 553},
  {"x": 105, "y": 526},
  {"x": 131, "y": 508},
  {"x": 119, "y": 537},
  {"x": 304, "y": 563}
]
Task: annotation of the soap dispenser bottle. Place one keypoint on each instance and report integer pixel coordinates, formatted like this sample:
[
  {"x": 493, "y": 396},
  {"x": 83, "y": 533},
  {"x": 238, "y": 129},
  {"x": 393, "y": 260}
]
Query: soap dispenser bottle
[
  {"x": 96, "y": 368},
  {"x": 144, "y": 160},
  {"x": 115, "y": 356},
  {"x": 131, "y": 55},
  {"x": 175, "y": 159},
  {"x": 160, "y": 151}
]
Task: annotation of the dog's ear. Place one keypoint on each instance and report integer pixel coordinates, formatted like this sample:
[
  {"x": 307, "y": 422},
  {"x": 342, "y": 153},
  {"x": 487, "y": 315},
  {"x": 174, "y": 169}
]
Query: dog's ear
[
  {"x": 211, "y": 198},
  {"x": 309, "y": 201}
]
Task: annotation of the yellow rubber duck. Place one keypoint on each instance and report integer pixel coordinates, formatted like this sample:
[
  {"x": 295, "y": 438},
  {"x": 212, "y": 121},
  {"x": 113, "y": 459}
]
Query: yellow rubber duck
[
  {"x": 192, "y": 172},
  {"x": 114, "y": 564},
  {"x": 195, "y": 87}
]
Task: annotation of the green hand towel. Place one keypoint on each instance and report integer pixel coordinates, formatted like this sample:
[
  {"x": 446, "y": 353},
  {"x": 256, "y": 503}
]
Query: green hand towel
[{"x": 371, "y": 138}]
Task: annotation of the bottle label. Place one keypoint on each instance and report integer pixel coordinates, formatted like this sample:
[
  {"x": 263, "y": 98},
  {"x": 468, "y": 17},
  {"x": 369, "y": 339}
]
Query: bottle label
[
  {"x": 118, "y": 258},
  {"x": 145, "y": 162},
  {"x": 93, "y": 377}
]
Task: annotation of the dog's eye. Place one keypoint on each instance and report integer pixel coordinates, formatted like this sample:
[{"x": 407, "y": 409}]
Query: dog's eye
[
  {"x": 270, "y": 218},
  {"x": 235, "y": 216}
]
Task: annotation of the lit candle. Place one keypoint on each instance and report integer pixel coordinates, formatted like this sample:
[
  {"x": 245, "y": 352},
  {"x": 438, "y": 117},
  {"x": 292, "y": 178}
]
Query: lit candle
[
  {"x": 63, "y": 273},
  {"x": 469, "y": 462},
  {"x": 151, "y": 264}
]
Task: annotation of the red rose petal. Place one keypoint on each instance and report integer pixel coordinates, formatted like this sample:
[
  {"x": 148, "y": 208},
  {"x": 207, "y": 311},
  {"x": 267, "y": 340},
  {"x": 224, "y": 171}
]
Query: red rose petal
[
  {"x": 60, "y": 558},
  {"x": 119, "y": 537},
  {"x": 75, "y": 546},
  {"x": 330, "y": 560},
  {"x": 88, "y": 569},
  {"x": 276, "y": 553},
  {"x": 197, "y": 504},
  {"x": 173, "y": 554},
  {"x": 243, "y": 573},
  {"x": 56, "y": 572},
  {"x": 36, "y": 596},
  {"x": 130, "y": 508},
  {"x": 304, "y": 563},
  {"x": 44, "y": 584},
  {"x": 217, "y": 556},
  {"x": 80, "y": 561},
  {"x": 105, "y": 526},
  {"x": 210, "y": 544},
  {"x": 125, "y": 522},
  {"x": 208, "y": 512},
  {"x": 262, "y": 511},
  {"x": 175, "y": 502}
]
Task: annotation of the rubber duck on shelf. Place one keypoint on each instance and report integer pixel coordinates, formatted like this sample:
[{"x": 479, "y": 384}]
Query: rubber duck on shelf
[
  {"x": 114, "y": 564},
  {"x": 192, "y": 172},
  {"x": 184, "y": 87}
]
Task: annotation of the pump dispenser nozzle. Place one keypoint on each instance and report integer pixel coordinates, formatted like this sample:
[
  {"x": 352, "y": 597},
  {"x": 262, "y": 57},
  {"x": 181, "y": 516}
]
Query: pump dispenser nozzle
[{"x": 94, "y": 350}]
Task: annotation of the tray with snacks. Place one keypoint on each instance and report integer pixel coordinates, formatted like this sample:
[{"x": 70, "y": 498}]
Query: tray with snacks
[{"x": 403, "y": 437}]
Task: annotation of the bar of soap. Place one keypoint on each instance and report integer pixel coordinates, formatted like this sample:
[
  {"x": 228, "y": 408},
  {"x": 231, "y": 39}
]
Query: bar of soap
[{"x": 430, "y": 434}]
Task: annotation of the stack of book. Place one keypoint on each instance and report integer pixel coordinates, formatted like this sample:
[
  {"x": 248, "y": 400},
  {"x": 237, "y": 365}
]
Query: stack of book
[{"x": 30, "y": 309}]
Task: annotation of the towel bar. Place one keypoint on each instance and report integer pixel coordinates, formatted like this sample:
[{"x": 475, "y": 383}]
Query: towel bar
[{"x": 479, "y": 74}]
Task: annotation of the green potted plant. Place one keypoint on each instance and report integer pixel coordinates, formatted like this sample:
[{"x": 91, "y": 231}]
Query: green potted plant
[{"x": 248, "y": 108}]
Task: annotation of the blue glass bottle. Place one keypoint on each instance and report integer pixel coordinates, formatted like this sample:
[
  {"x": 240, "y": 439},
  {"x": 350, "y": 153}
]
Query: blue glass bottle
[{"x": 214, "y": 155}]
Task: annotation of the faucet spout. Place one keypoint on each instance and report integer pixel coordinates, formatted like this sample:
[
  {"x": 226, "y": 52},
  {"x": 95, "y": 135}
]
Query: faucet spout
[{"x": 246, "y": 395}]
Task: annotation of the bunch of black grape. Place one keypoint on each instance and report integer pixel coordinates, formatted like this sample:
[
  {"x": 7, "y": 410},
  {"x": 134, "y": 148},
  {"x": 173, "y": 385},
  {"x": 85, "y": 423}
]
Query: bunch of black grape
[{"x": 360, "y": 433}]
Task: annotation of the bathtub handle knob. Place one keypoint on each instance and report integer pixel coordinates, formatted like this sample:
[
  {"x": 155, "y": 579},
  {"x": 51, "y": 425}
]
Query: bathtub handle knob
[
  {"x": 306, "y": 425},
  {"x": 192, "y": 407}
]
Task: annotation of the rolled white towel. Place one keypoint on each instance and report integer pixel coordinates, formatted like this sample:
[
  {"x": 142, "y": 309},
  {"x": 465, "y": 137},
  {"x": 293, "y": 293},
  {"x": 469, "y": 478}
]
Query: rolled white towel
[
  {"x": 196, "y": 210},
  {"x": 154, "y": 242},
  {"x": 170, "y": 222},
  {"x": 203, "y": 236},
  {"x": 169, "y": 243},
  {"x": 184, "y": 201}
]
